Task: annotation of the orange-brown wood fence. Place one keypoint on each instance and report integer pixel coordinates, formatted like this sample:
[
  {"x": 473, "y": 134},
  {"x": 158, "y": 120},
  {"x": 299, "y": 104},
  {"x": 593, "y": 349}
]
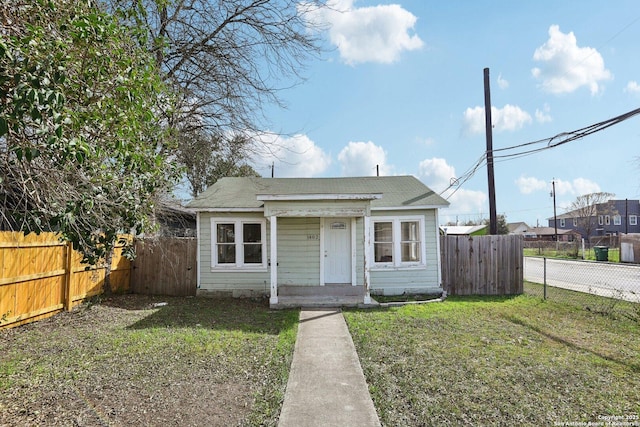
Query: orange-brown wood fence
[{"x": 41, "y": 276}]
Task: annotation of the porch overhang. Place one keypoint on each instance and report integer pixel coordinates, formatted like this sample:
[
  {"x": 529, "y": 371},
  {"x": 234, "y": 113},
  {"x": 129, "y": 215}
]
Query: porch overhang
[{"x": 320, "y": 206}]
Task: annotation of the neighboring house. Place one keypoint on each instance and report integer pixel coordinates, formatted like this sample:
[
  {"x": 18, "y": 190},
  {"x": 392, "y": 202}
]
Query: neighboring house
[
  {"x": 464, "y": 230},
  {"x": 611, "y": 218},
  {"x": 519, "y": 228},
  {"x": 260, "y": 235},
  {"x": 174, "y": 220},
  {"x": 549, "y": 234}
]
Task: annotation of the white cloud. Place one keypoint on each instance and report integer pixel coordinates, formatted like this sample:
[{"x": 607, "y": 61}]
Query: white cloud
[
  {"x": 632, "y": 87},
  {"x": 502, "y": 83},
  {"x": 528, "y": 185},
  {"x": 582, "y": 186},
  {"x": 543, "y": 116},
  {"x": 565, "y": 67},
  {"x": 368, "y": 34},
  {"x": 361, "y": 159},
  {"x": 437, "y": 174},
  {"x": 510, "y": 118},
  {"x": 295, "y": 156},
  {"x": 574, "y": 188}
]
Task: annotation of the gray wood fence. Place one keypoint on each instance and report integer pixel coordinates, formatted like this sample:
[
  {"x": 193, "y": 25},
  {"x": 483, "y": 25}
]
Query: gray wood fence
[
  {"x": 478, "y": 265},
  {"x": 165, "y": 266},
  {"x": 482, "y": 265}
]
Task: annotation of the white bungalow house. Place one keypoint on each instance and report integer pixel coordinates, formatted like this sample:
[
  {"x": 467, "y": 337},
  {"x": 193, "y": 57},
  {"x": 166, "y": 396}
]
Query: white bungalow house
[{"x": 318, "y": 238}]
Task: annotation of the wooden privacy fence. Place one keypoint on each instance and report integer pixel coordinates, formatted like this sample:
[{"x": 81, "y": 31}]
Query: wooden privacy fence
[
  {"x": 482, "y": 265},
  {"x": 41, "y": 276},
  {"x": 165, "y": 266}
]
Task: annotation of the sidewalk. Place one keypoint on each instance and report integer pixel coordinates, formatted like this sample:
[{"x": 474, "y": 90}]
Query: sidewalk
[{"x": 326, "y": 385}]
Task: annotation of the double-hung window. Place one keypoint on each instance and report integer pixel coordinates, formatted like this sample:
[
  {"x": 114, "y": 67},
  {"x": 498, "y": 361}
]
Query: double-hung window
[
  {"x": 633, "y": 220},
  {"x": 238, "y": 243},
  {"x": 398, "y": 242}
]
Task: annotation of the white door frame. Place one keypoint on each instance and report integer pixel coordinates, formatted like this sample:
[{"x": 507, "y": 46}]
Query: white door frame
[{"x": 323, "y": 225}]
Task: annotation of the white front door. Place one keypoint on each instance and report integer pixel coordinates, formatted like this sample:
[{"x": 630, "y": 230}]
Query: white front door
[{"x": 337, "y": 250}]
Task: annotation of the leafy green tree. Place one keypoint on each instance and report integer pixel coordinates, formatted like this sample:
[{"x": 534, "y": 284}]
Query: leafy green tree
[
  {"x": 206, "y": 159},
  {"x": 503, "y": 226},
  {"x": 83, "y": 129}
]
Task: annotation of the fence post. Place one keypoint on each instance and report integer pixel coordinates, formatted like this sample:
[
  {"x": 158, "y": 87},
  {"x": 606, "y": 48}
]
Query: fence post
[
  {"x": 68, "y": 298},
  {"x": 544, "y": 280}
]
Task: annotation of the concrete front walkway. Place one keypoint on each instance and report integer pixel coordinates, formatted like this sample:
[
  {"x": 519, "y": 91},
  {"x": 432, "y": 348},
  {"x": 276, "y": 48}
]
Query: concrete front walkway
[{"x": 326, "y": 385}]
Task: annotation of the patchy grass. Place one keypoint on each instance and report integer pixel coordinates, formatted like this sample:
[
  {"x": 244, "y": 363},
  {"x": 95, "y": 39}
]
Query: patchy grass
[
  {"x": 497, "y": 361},
  {"x": 616, "y": 308},
  {"x": 613, "y": 254},
  {"x": 124, "y": 361}
]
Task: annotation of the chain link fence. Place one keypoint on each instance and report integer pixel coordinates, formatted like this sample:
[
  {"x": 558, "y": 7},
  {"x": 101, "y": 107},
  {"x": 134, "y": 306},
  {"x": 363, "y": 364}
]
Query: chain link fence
[{"x": 601, "y": 287}]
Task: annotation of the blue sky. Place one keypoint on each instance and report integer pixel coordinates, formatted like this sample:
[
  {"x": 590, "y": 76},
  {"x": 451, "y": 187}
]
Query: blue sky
[{"x": 401, "y": 86}]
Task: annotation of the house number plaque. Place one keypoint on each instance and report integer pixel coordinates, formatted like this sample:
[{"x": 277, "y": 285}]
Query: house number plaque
[{"x": 313, "y": 237}]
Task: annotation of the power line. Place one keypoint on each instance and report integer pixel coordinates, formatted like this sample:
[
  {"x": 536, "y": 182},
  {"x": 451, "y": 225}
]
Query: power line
[
  {"x": 566, "y": 137},
  {"x": 552, "y": 142}
]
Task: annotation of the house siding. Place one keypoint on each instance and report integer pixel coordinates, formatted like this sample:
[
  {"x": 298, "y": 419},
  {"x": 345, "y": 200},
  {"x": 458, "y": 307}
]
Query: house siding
[
  {"x": 238, "y": 282},
  {"x": 299, "y": 258},
  {"x": 624, "y": 208},
  {"x": 299, "y": 251},
  {"x": 411, "y": 280}
]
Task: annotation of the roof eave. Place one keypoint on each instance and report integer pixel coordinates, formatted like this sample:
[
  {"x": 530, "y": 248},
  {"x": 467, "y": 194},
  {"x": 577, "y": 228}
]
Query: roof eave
[
  {"x": 260, "y": 209},
  {"x": 318, "y": 196}
]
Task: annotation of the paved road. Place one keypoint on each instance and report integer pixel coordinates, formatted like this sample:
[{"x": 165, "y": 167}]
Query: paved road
[{"x": 620, "y": 281}]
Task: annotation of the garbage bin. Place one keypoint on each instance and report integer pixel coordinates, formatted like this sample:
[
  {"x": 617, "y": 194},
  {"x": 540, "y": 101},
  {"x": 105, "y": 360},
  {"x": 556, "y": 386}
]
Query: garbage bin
[{"x": 602, "y": 253}]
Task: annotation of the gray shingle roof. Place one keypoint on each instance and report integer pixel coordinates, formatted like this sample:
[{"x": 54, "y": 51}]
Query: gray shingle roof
[{"x": 238, "y": 193}]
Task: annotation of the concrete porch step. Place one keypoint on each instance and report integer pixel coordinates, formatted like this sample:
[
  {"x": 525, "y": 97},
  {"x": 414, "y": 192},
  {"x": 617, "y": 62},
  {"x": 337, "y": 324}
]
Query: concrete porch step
[
  {"x": 321, "y": 301},
  {"x": 332, "y": 290}
]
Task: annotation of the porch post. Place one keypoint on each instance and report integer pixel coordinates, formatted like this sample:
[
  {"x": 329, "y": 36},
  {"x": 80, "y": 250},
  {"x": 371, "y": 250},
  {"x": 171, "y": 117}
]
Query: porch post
[
  {"x": 367, "y": 258},
  {"x": 273, "y": 298}
]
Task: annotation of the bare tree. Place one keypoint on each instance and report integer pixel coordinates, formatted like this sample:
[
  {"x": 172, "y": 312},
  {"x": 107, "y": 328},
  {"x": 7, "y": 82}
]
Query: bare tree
[
  {"x": 586, "y": 209},
  {"x": 229, "y": 58}
]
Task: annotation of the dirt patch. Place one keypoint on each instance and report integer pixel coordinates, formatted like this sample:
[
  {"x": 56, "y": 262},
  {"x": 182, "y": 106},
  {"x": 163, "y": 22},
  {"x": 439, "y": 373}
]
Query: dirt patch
[{"x": 128, "y": 360}]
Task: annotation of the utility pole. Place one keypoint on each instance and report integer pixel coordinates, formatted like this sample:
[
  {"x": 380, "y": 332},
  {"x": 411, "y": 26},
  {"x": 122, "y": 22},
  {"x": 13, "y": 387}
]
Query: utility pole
[
  {"x": 555, "y": 217},
  {"x": 493, "y": 218}
]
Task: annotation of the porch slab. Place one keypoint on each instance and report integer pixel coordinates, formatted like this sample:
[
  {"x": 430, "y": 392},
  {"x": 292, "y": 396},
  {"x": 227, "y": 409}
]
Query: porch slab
[
  {"x": 334, "y": 295},
  {"x": 321, "y": 301}
]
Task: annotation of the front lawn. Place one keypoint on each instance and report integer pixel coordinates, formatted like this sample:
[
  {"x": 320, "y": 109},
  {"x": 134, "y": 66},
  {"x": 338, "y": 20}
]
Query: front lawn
[
  {"x": 498, "y": 361},
  {"x": 128, "y": 361}
]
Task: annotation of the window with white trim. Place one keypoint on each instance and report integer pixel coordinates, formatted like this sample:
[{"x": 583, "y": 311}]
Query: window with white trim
[
  {"x": 600, "y": 220},
  {"x": 238, "y": 243},
  {"x": 607, "y": 220},
  {"x": 633, "y": 220},
  {"x": 398, "y": 241},
  {"x": 617, "y": 220},
  {"x": 575, "y": 222},
  {"x": 562, "y": 223}
]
